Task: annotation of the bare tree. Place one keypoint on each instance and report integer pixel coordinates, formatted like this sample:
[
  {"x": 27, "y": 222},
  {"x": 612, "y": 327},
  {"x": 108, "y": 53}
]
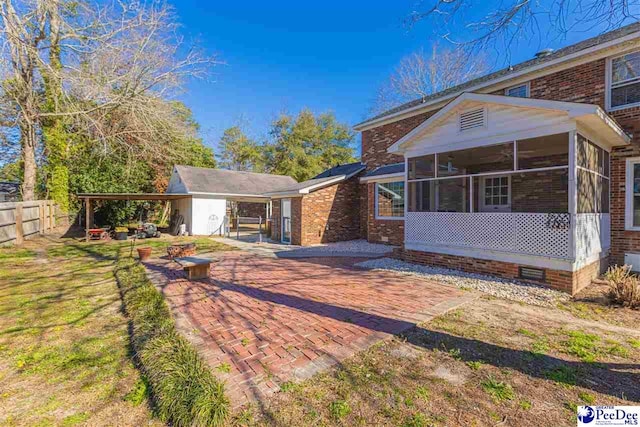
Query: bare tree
[
  {"x": 112, "y": 68},
  {"x": 519, "y": 20},
  {"x": 421, "y": 74}
]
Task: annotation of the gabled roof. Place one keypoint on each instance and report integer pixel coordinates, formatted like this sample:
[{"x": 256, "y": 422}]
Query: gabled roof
[
  {"x": 226, "y": 182},
  {"x": 564, "y": 54},
  {"x": 590, "y": 114},
  {"x": 329, "y": 177}
]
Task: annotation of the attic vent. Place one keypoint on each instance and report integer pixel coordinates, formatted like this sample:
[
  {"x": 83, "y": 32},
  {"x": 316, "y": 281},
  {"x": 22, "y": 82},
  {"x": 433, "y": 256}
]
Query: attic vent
[{"x": 472, "y": 119}]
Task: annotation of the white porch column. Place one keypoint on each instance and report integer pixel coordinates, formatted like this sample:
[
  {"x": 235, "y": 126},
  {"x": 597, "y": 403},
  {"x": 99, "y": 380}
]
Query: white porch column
[{"x": 573, "y": 192}]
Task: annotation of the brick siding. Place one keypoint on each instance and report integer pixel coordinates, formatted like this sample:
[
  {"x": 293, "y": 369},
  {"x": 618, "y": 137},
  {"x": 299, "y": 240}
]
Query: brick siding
[
  {"x": 566, "y": 281},
  {"x": 331, "y": 214},
  {"x": 376, "y": 141}
]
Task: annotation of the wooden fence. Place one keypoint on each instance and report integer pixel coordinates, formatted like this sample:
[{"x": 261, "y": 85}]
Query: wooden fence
[{"x": 21, "y": 220}]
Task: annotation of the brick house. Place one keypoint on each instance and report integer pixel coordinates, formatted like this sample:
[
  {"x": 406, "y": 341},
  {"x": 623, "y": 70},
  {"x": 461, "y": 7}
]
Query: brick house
[
  {"x": 323, "y": 209},
  {"x": 528, "y": 172}
]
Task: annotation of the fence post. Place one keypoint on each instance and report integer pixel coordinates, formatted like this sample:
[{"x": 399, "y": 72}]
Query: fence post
[
  {"x": 18, "y": 221},
  {"x": 41, "y": 218},
  {"x": 237, "y": 228},
  {"x": 50, "y": 203}
]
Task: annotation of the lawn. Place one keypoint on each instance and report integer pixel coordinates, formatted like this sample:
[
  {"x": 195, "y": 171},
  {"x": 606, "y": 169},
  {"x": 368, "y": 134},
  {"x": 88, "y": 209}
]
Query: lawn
[
  {"x": 65, "y": 357},
  {"x": 493, "y": 362}
]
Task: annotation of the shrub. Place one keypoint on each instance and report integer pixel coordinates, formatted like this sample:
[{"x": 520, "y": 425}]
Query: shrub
[
  {"x": 624, "y": 287},
  {"x": 183, "y": 389}
]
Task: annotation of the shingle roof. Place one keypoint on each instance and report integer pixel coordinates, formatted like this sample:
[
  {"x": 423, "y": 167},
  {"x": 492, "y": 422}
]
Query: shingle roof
[
  {"x": 585, "y": 44},
  {"x": 334, "y": 175},
  {"x": 220, "y": 181},
  {"x": 385, "y": 170},
  {"x": 348, "y": 169},
  {"x": 7, "y": 187}
]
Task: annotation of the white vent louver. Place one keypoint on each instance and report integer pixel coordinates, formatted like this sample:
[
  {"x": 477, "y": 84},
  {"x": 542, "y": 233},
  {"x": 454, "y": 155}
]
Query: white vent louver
[{"x": 472, "y": 119}]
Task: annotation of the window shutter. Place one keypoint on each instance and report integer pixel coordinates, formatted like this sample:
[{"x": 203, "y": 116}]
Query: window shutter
[{"x": 472, "y": 119}]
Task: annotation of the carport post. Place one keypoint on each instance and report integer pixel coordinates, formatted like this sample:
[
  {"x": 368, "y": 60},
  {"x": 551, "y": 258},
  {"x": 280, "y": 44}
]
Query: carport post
[
  {"x": 87, "y": 208},
  {"x": 260, "y": 229}
]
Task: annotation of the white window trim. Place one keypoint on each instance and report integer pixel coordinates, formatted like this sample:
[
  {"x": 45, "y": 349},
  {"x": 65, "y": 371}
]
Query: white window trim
[
  {"x": 527, "y": 86},
  {"x": 607, "y": 79},
  {"x": 392, "y": 218},
  {"x": 483, "y": 207},
  {"x": 628, "y": 193}
]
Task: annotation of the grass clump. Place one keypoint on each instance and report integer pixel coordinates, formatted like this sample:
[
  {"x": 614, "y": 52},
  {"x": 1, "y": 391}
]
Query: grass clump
[
  {"x": 499, "y": 390},
  {"x": 587, "y": 398},
  {"x": 563, "y": 375},
  {"x": 525, "y": 405},
  {"x": 634, "y": 343},
  {"x": 139, "y": 393},
  {"x": 339, "y": 409},
  {"x": 582, "y": 345},
  {"x": 183, "y": 389}
]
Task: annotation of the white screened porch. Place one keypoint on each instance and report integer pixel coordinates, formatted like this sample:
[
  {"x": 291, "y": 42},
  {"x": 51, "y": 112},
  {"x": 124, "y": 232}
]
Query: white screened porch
[{"x": 506, "y": 186}]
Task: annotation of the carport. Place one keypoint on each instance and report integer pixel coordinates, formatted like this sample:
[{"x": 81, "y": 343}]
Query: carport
[{"x": 88, "y": 199}]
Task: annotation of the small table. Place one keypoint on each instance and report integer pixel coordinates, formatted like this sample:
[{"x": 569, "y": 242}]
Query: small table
[{"x": 195, "y": 267}]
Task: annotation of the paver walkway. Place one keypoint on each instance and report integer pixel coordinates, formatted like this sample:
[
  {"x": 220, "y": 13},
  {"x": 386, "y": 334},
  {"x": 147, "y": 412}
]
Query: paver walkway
[{"x": 260, "y": 321}]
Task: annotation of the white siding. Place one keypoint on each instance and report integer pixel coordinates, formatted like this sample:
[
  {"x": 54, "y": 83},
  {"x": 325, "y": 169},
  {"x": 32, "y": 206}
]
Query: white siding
[
  {"x": 175, "y": 184},
  {"x": 504, "y": 123},
  {"x": 207, "y": 214}
]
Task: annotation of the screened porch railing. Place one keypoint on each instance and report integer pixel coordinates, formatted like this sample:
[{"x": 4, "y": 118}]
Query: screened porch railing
[{"x": 540, "y": 234}]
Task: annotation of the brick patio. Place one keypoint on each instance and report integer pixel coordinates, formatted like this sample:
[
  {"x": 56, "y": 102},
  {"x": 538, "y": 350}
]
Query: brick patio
[{"x": 276, "y": 320}]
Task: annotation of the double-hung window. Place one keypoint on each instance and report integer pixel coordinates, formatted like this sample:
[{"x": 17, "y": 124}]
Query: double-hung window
[
  {"x": 519, "y": 91},
  {"x": 390, "y": 200},
  {"x": 632, "y": 190},
  {"x": 623, "y": 81}
]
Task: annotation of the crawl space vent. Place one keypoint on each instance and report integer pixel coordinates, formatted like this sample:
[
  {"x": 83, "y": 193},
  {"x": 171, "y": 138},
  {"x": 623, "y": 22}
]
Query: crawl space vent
[
  {"x": 472, "y": 119},
  {"x": 529, "y": 273}
]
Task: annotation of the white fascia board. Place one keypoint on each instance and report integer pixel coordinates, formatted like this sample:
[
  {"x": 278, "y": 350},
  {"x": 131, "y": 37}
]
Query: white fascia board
[
  {"x": 201, "y": 193},
  {"x": 572, "y": 109},
  {"x": 594, "y": 53},
  {"x": 285, "y": 195},
  {"x": 338, "y": 178},
  {"x": 384, "y": 177}
]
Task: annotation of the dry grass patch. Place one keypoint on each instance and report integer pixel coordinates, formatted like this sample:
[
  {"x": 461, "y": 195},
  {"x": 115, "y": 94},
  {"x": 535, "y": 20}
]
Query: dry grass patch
[{"x": 491, "y": 362}]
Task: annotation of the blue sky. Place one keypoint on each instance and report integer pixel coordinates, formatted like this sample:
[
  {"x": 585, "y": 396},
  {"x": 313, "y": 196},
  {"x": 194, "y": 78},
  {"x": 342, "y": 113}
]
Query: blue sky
[{"x": 286, "y": 55}]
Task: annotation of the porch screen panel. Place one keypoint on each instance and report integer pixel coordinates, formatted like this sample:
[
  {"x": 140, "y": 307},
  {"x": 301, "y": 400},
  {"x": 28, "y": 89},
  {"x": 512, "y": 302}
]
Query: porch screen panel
[
  {"x": 452, "y": 195},
  {"x": 592, "y": 177},
  {"x": 422, "y": 167},
  {"x": 422, "y": 196},
  {"x": 543, "y": 152},
  {"x": 491, "y": 158},
  {"x": 544, "y": 191}
]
